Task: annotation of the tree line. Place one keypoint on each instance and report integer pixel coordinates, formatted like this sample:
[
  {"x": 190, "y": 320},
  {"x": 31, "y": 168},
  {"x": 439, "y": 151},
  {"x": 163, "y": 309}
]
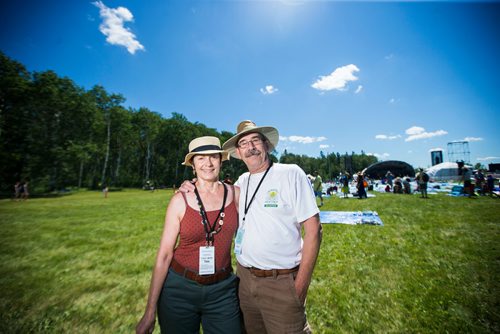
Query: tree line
[{"x": 56, "y": 135}]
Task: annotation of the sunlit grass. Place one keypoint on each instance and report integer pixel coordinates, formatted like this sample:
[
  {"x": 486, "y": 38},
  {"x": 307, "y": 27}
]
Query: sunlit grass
[
  {"x": 433, "y": 267},
  {"x": 81, "y": 264}
]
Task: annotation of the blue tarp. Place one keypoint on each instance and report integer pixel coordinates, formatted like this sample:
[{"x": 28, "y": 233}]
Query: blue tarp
[
  {"x": 457, "y": 191},
  {"x": 350, "y": 217}
]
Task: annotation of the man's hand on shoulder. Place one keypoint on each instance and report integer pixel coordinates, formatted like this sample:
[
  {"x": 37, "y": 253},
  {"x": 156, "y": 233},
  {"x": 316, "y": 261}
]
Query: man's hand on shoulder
[{"x": 187, "y": 186}]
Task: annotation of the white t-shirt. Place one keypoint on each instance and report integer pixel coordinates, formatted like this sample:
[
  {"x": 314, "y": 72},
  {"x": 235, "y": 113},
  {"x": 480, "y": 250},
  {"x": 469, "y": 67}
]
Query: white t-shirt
[{"x": 272, "y": 227}]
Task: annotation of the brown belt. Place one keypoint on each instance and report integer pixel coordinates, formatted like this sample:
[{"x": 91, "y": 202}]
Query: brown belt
[
  {"x": 201, "y": 279},
  {"x": 271, "y": 272}
]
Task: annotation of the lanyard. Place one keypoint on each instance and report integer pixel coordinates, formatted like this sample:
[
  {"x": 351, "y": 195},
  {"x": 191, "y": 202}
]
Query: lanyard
[
  {"x": 210, "y": 230},
  {"x": 255, "y": 192}
]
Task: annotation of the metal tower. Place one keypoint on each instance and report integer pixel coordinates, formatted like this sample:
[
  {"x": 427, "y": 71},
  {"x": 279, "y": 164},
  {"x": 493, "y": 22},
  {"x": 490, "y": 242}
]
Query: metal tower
[{"x": 459, "y": 151}]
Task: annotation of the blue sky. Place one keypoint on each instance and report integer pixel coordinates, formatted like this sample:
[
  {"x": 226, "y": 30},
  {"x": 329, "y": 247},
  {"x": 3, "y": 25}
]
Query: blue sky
[{"x": 394, "y": 79}]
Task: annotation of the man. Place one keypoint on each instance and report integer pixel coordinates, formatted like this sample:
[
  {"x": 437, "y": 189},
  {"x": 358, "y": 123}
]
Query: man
[
  {"x": 422, "y": 179},
  {"x": 360, "y": 184},
  {"x": 479, "y": 178},
  {"x": 490, "y": 185},
  {"x": 318, "y": 186},
  {"x": 274, "y": 264},
  {"x": 406, "y": 185},
  {"x": 389, "y": 176},
  {"x": 466, "y": 178}
]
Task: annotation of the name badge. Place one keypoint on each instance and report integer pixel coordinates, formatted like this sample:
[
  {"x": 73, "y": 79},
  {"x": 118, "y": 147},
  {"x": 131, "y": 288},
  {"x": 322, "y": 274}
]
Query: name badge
[
  {"x": 238, "y": 241},
  {"x": 207, "y": 260}
]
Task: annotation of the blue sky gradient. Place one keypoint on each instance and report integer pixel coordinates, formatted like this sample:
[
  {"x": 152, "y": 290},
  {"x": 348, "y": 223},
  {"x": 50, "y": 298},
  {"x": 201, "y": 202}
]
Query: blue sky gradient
[{"x": 394, "y": 79}]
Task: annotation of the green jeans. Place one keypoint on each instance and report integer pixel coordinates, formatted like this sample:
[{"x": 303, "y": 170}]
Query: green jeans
[{"x": 184, "y": 304}]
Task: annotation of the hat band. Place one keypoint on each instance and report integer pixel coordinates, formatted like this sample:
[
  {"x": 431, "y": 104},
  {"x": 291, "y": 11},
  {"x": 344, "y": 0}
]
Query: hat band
[{"x": 206, "y": 148}]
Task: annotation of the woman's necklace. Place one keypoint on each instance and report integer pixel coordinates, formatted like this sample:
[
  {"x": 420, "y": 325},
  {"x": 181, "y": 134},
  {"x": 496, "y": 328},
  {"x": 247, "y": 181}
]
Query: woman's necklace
[{"x": 210, "y": 229}]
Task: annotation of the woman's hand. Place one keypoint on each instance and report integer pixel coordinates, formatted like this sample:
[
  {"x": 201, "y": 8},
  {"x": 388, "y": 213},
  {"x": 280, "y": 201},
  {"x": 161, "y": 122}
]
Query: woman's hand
[{"x": 146, "y": 325}]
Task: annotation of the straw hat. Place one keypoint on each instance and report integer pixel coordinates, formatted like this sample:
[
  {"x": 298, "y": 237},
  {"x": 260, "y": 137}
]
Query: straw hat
[
  {"x": 247, "y": 127},
  {"x": 204, "y": 145}
]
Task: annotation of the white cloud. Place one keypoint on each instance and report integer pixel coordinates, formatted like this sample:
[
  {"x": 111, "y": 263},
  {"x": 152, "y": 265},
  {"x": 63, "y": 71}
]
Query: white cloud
[
  {"x": 488, "y": 158},
  {"x": 269, "y": 89},
  {"x": 389, "y": 57},
  {"x": 359, "y": 89},
  {"x": 386, "y": 137},
  {"x": 473, "y": 139},
  {"x": 393, "y": 101},
  {"x": 303, "y": 140},
  {"x": 324, "y": 146},
  {"x": 338, "y": 79},
  {"x": 416, "y": 132},
  {"x": 112, "y": 27},
  {"x": 380, "y": 156}
]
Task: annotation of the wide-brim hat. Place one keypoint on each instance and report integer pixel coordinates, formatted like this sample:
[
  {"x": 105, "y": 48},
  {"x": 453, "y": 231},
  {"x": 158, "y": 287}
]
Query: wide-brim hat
[
  {"x": 247, "y": 127},
  {"x": 204, "y": 145}
]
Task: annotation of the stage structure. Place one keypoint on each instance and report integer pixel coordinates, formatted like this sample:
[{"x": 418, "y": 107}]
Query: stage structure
[{"x": 459, "y": 151}]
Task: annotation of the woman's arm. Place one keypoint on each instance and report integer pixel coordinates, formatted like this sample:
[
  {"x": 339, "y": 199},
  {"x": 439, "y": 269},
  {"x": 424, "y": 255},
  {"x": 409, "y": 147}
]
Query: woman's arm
[{"x": 175, "y": 212}]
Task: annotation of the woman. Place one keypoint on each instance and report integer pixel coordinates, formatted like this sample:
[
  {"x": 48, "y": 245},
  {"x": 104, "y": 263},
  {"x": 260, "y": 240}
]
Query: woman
[{"x": 193, "y": 283}]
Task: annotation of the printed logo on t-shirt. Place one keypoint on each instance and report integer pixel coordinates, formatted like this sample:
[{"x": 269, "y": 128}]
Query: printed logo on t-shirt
[{"x": 271, "y": 199}]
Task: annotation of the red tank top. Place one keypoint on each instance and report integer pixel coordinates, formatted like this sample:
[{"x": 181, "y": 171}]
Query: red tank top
[{"x": 192, "y": 237}]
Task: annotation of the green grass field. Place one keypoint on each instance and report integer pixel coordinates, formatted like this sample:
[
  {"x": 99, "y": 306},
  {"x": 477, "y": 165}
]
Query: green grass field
[{"x": 81, "y": 264}]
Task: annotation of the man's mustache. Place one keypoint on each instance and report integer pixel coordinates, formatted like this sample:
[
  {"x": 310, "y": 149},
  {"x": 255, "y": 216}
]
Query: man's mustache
[{"x": 253, "y": 151}]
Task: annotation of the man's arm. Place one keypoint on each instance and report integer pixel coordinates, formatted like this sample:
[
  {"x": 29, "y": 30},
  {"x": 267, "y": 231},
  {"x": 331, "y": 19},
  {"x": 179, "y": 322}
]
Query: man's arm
[{"x": 310, "y": 250}]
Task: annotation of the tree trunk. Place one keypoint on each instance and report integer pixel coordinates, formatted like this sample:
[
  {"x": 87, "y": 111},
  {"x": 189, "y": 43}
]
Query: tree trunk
[
  {"x": 148, "y": 158},
  {"x": 118, "y": 162},
  {"x": 80, "y": 174},
  {"x": 151, "y": 162},
  {"x": 106, "y": 157}
]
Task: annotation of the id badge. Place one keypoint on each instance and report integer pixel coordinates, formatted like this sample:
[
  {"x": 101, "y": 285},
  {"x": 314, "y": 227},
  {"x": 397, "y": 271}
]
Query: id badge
[
  {"x": 238, "y": 241},
  {"x": 207, "y": 260}
]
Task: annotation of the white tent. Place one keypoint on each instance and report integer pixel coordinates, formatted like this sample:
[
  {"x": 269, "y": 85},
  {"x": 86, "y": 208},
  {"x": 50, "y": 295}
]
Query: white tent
[{"x": 446, "y": 171}]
